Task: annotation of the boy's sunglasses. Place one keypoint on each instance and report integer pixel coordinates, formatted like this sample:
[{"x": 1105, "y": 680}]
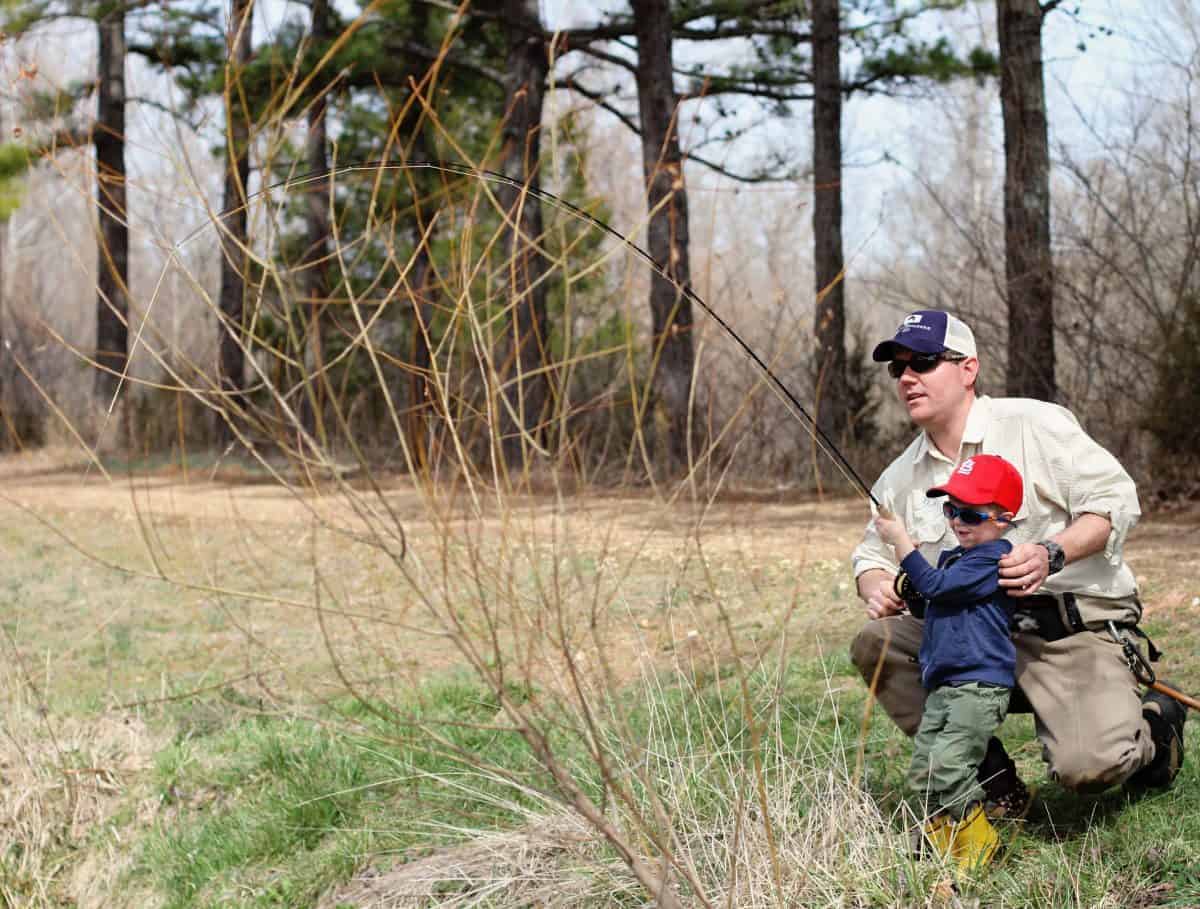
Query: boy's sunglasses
[
  {"x": 920, "y": 363},
  {"x": 968, "y": 515}
]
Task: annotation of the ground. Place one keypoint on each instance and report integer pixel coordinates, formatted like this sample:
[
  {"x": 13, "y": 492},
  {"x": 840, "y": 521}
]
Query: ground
[{"x": 131, "y": 594}]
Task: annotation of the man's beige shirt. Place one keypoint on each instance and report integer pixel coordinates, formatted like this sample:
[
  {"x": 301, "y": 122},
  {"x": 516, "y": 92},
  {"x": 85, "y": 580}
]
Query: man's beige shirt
[{"x": 1066, "y": 474}]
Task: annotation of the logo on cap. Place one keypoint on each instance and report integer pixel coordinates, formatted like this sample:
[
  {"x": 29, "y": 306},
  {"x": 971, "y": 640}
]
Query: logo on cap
[
  {"x": 966, "y": 467},
  {"x": 913, "y": 319}
]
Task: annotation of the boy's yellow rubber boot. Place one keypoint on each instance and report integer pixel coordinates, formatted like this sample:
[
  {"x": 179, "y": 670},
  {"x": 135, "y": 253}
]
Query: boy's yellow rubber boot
[
  {"x": 939, "y": 831},
  {"x": 974, "y": 841}
]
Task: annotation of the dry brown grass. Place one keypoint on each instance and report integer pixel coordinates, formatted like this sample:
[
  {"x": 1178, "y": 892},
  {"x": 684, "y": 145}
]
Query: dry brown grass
[
  {"x": 65, "y": 779},
  {"x": 212, "y": 536}
]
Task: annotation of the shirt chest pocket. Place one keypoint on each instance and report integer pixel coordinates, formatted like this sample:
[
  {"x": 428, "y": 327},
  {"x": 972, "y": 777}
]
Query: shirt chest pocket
[{"x": 925, "y": 521}]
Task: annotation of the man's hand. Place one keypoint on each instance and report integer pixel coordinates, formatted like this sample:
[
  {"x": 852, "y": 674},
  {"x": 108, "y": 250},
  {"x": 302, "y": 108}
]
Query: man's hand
[
  {"x": 1024, "y": 569},
  {"x": 876, "y": 589}
]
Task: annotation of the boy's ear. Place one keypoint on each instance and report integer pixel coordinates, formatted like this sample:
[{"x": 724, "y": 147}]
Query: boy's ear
[{"x": 1006, "y": 517}]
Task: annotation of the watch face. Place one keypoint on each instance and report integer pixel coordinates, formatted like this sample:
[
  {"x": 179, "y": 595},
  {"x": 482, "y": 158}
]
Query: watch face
[{"x": 1057, "y": 556}]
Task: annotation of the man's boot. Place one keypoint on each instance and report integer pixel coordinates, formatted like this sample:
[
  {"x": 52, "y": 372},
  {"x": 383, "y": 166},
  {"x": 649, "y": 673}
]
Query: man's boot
[
  {"x": 1166, "y": 717},
  {"x": 1006, "y": 795},
  {"x": 975, "y": 841}
]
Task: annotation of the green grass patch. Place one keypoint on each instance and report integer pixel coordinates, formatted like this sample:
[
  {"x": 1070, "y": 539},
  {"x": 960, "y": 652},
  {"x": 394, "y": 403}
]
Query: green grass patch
[
  {"x": 270, "y": 811},
  {"x": 273, "y": 811}
]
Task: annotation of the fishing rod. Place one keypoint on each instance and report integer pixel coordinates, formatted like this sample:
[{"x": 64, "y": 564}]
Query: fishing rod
[
  {"x": 790, "y": 400},
  {"x": 777, "y": 385}
]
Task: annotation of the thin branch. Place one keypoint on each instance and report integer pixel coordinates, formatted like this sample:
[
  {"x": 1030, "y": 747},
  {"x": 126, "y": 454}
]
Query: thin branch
[{"x": 601, "y": 101}]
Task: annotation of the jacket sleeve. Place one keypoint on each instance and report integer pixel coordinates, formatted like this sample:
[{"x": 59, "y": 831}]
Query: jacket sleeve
[{"x": 972, "y": 577}]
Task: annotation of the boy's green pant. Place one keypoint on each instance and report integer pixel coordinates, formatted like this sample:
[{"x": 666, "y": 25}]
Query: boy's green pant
[{"x": 950, "y": 744}]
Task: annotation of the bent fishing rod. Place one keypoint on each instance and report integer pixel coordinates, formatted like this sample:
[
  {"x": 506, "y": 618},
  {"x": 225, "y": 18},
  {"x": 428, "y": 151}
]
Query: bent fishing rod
[{"x": 777, "y": 385}]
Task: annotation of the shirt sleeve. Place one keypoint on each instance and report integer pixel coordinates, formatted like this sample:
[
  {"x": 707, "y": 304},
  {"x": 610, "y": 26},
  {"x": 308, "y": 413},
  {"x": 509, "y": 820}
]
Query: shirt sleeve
[
  {"x": 972, "y": 577},
  {"x": 1089, "y": 479}
]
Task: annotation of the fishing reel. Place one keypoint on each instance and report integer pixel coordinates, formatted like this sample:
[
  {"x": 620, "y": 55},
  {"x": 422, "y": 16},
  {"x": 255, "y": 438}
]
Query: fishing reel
[{"x": 903, "y": 587}]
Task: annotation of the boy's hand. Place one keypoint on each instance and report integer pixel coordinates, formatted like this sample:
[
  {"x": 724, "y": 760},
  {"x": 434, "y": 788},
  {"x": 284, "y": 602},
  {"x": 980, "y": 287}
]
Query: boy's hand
[{"x": 890, "y": 529}]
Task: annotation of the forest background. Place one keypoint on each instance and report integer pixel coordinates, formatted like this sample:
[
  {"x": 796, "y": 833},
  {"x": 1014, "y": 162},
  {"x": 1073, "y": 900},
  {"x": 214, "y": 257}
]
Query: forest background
[
  {"x": 917, "y": 192},
  {"x": 388, "y": 521}
]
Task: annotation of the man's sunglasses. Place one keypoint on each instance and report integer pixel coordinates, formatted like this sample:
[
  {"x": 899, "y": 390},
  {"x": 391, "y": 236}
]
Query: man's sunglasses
[
  {"x": 969, "y": 515},
  {"x": 920, "y": 363}
]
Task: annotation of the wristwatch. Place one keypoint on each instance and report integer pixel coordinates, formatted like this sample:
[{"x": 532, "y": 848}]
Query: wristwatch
[{"x": 1058, "y": 558}]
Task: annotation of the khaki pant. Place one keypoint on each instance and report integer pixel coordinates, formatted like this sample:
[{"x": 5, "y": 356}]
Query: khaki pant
[{"x": 1086, "y": 703}]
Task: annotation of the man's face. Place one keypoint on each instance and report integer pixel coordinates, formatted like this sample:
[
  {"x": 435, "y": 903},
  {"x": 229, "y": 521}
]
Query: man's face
[{"x": 937, "y": 394}]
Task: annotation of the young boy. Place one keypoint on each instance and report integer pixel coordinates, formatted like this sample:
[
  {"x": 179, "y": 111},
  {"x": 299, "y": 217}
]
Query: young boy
[{"x": 967, "y": 656}]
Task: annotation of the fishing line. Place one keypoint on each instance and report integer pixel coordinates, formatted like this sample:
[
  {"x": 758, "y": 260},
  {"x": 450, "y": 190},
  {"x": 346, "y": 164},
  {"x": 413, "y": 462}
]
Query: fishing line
[{"x": 785, "y": 395}]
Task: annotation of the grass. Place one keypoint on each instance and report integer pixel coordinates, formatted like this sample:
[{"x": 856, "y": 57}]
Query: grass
[
  {"x": 259, "y": 810},
  {"x": 274, "y": 811},
  {"x": 244, "y": 775}
]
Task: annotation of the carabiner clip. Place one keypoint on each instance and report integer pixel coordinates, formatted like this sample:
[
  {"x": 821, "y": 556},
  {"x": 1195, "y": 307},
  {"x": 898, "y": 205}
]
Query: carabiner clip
[{"x": 1141, "y": 669}]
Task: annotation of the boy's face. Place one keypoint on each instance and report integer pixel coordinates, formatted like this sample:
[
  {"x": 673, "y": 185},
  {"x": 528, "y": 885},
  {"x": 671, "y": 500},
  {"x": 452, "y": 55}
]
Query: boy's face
[{"x": 984, "y": 532}]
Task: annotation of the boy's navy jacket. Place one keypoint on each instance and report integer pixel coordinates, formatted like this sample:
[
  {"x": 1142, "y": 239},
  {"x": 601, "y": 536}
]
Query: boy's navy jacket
[{"x": 966, "y": 635}]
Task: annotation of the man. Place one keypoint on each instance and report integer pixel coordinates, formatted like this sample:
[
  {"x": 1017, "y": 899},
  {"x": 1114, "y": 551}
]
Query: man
[{"x": 1065, "y": 573}]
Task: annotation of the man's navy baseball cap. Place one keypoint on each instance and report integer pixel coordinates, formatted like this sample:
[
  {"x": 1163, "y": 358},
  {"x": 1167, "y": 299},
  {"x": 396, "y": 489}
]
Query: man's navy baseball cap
[{"x": 928, "y": 331}]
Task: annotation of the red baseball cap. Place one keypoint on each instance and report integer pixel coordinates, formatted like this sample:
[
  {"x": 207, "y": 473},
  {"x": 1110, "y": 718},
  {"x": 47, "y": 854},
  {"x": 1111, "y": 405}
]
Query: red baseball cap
[{"x": 983, "y": 480}]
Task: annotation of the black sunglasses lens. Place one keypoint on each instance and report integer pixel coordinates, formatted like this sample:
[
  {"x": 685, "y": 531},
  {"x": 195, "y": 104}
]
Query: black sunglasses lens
[
  {"x": 920, "y": 364},
  {"x": 966, "y": 515}
]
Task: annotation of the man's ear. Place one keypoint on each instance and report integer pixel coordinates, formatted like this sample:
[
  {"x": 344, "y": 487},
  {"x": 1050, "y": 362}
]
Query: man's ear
[{"x": 969, "y": 369}]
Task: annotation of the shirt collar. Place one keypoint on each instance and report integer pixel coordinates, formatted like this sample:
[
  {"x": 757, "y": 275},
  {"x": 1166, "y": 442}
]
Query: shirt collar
[{"x": 977, "y": 423}]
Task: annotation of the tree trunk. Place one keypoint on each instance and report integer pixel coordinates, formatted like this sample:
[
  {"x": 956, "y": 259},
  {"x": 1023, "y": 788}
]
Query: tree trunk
[
  {"x": 422, "y": 394},
  {"x": 526, "y": 68},
  {"x": 667, "y": 231},
  {"x": 112, "y": 284},
  {"x": 829, "y": 327},
  {"x": 316, "y": 283},
  {"x": 423, "y": 400},
  {"x": 234, "y": 261},
  {"x": 1028, "y": 266}
]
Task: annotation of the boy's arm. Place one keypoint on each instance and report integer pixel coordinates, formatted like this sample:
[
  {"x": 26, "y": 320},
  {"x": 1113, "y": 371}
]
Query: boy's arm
[{"x": 972, "y": 577}]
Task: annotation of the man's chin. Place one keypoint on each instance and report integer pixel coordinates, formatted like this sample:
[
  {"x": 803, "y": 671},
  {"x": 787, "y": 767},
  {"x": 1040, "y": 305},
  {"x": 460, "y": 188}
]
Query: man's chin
[{"x": 919, "y": 411}]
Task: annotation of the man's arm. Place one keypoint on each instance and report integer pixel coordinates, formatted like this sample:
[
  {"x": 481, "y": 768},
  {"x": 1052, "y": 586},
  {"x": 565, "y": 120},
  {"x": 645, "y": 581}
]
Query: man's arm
[
  {"x": 1087, "y": 482},
  {"x": 1024, "y": 569}
]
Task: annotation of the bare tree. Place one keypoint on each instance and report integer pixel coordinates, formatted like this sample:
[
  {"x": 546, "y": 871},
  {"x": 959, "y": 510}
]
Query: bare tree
[
  {"x": 522, "y": 369},
  {"x": 667, "y": 231},
  {"x": 1028, "y": 265},
  {"x": 1127, "y": 219},
  {"x": 112, "y": 285},
  {"x": 316, "y": 284},
  {"x": 232, "y": 368},
  {"x": 829, "y": 323}
]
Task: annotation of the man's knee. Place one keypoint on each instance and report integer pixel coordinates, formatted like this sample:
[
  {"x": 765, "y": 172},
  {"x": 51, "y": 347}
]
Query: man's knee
[
  {"x": 1085, "y": 771},
  {"x": 866, "y": 649}
]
